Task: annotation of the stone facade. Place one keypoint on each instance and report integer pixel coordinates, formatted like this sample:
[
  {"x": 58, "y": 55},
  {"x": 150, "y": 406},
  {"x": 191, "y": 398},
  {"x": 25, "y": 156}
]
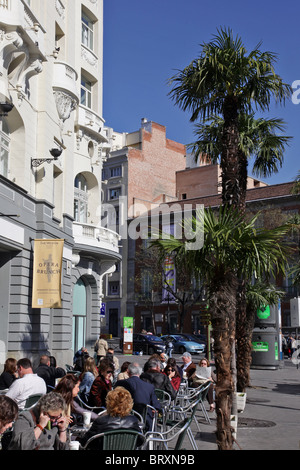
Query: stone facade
[{"x": 51, "y": 70}]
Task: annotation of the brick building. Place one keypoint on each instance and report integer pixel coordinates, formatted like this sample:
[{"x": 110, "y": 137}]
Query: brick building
[
  {"x": 200, "y": 186},
  {"x": 138, "y": 175}
]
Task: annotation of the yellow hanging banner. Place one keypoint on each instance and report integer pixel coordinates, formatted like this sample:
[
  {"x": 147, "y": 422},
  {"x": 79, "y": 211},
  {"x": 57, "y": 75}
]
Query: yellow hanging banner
[{"x": 47, "y": 270}]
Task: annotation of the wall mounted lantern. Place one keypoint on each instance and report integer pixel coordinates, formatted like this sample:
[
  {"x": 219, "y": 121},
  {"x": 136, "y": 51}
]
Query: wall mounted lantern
[
  {"x": 5, "y": 108},
  {"x": 56, "y": 153}
]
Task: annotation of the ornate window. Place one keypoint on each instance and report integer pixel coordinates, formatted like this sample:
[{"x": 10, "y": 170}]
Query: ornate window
[{"x": 80, "y": 199}]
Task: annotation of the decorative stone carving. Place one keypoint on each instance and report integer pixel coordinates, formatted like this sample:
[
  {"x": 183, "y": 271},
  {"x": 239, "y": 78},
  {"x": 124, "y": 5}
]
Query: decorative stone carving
[
  {"x": 9, "y": 43},
  {"x": 89, "y": 57},
  {"x": 65, "y": 104}
]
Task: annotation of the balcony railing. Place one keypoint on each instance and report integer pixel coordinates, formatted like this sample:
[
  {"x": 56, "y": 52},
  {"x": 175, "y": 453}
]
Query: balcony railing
[
  {"x": 91, "y": 121},
  {"x": 98, "y": 237}
]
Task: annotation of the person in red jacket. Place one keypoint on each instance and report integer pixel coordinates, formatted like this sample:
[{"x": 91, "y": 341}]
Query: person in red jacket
[
  {"x": 174, "y": 376},
  {"x": 102, "y": 384}
]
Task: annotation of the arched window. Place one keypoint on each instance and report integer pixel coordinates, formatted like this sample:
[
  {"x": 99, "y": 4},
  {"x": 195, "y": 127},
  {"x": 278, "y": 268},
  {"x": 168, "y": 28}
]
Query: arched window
[
  {"x": 80, "y": 199},
  {"x": 4, "y": 147}
]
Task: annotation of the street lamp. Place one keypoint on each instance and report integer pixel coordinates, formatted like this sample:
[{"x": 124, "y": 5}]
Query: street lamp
[
  {"x": 5, "y": 108},
  {"x": 35, "y": 162}
]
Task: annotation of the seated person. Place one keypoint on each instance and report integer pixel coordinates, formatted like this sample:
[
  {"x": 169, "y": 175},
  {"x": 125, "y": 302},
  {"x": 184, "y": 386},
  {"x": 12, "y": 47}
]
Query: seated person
[
  {"x": 8, "y": 413},
  {"x": 102, "y": 384},
  {"x": 90, "y": 372},
  {"x": 119, "y": 404},
  {"x": 188, "y": 367},
  {"x": 48, "y": 372},
  {"x": 158, "y": 378},
  {"x": 27, "y": 384},
  {"x": 173, "y": 375},
  {"x": 43, "y": 427},
  {"x": 9, "y": 373},
  {"x": 202, "y": 375}
]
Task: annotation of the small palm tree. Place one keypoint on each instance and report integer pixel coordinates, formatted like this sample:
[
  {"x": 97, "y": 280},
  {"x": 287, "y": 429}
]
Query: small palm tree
[{"x": 231, "y": 247}]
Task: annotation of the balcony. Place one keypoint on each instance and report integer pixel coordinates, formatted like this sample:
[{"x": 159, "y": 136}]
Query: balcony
[
  {"x": 90, "y": 121},
  {"x": 65, "y": 78},
  {"x": 96, "y": 240},
  {"x": 64, "y": 88},
  {"x": 18, "y": 17}
]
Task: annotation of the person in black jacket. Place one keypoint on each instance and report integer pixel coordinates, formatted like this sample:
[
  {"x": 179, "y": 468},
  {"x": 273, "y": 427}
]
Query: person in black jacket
[
  {"x": 9, "y": 373},
  {"x": 160, "y": 381},
  {"x": 48, "y": 372},
  {"x": 119, "y": 404}
]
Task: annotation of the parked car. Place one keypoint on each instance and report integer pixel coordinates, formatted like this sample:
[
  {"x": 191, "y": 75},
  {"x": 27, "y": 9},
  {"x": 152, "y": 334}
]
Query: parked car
[
  {"x": 182, "y": 344},
  {"x": 201, "y": 336},
  {"x": 196, "y": 339},
  {"x": 148, "y": 344}
]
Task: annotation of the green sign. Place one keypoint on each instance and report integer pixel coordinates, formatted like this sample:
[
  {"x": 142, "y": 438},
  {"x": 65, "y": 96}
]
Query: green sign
[
  {"x": 260, "y": 346},
  {"x": 128, "y": 322},
  {"x": 263, "y": 312},
  {"x": 276, "y": 351}
]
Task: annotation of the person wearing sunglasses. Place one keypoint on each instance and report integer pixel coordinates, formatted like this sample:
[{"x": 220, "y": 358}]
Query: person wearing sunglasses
[
  {"x": 174, "y": 376},
  {"x": 43, "y": 427},
  {"x": 102, "y": 384}
]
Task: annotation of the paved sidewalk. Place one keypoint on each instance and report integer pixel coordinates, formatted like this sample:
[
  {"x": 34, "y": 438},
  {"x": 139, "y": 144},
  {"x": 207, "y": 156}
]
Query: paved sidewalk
[{"x": 271, "y": 419}]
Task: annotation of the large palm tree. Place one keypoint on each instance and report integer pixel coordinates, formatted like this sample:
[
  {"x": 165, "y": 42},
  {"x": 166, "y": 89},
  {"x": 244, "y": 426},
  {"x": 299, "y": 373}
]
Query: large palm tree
[
  {"x": 227, "y": 81},
  {"x": 231, "y": 248},
  {"x": 263, "y": 140}
]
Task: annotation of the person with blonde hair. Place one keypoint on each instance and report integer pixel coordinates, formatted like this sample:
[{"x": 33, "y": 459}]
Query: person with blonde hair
[
  {"x": 89, "y": 373},
  {"x": 119, "y": 404}
]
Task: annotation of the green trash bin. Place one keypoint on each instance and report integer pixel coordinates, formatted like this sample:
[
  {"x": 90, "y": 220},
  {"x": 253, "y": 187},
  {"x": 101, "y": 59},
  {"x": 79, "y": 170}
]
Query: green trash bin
[
  {"x": 266, "y": 316},
  {"x": 265, "y": 348}
]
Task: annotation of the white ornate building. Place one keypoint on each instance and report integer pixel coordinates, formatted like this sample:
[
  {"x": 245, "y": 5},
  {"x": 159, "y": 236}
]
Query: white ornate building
[{"x": 51, "y": 60}]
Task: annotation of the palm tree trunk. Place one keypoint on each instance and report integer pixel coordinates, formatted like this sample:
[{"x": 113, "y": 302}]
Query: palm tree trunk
[
  {"x": 230, "y": 149},
  {"x": 243, "y": 322},
  {"x": 244, "y": 329},
  {"x": 222, "y": 301},
  {"x": 243, "y": 177}
]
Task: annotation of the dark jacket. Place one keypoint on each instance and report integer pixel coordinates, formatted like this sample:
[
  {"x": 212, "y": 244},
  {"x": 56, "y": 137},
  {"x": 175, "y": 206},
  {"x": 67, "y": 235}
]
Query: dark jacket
[
  {"x": 50, "y": 374},
  {"x": 98, "y": 392},
  {"x": 143, "y": 393},
  {"x": 190, "y": 370},
  {"x": 6, "y": 379},
  {"x": 109, "y": 423},
  {"x": 159, "y": 380}
]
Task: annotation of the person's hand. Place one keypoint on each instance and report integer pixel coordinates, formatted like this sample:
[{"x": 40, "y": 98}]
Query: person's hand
[
  {"x": 63, "y": 422},
  {"x": 44, "y": 420}
]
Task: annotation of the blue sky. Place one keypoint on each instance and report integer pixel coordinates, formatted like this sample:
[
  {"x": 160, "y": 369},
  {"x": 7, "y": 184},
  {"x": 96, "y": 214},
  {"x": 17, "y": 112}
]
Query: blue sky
[{"x": 145, "y": 43}]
